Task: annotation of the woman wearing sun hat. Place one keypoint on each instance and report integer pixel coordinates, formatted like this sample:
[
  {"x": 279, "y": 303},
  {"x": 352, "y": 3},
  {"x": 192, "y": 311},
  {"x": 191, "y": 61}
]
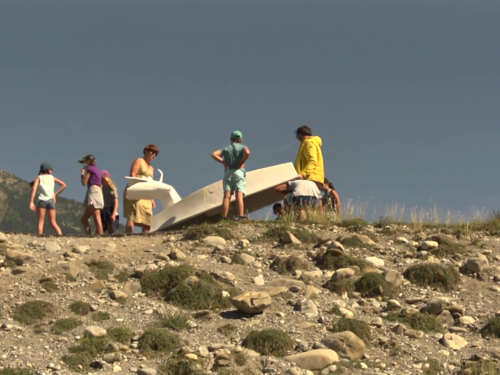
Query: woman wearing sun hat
[
  {"x": 94, "y": 201},
  {"x": 44, "y": 184}
]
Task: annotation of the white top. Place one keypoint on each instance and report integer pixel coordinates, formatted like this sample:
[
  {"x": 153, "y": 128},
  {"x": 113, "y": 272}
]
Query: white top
[
  {"x": 46, "y": 187},
  {"x": 304, "y": 188}
]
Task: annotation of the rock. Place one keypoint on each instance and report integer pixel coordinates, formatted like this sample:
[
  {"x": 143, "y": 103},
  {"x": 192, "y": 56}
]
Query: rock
[
  {"x": 248, "y": 259},
  {"x": 176, "y": 254},
  {"x": 112, "y": 357},
  {"x": 259, "y": 280},
  {"x": 307, "y": 307},
  {"x": 336, "y": 245},
  {"x": 313, "y": 360},
  {"x": 251, "y": 302},
  {"x": 361, "y": 237},
  {"x": 453, "y": 342},
  {"x": 414, "y": 334},
  {"x": 477, "y": 264},
  {"x": 143, "y": 269},
  {"x": 393, "y": 304},
  {"x": 225, "y": 277},
  {"x": 277, "y": 290},
  {"x": 375, "y": 262},
  {"x": 428, "y": 245},
  {"x": 436, "y": 305},
  {"x": 214, "y": 241},
  {"x": 393, "y": 277},
  {"x": 3, "y": 238},
  {"x": 323, "y": 238},
  {"x": 377, "y": 322},
  {"x": 401, "y": 240},
  {"x": 287, "y": 283},
  {"x": 115, "y": 294},
  {"x": 52, "y": 247},
  {"x": 243, "y": 244},
  {"x": 348, "y": 314},
  {"x": 346, "y": 344},
  {"x": 80, "y": 249},
  {"x": 70, "y": 268},
  {"x": 442, "y": 238},
  {"x": 343, "y": 273},
  {"x": 19, "y": 257},
  {"x": 94, "y": 331},
  {"x": 289, "y": 238},
  {"x": 132, "y": 288},
  {"x": 466, "y": 320},
  {"x": 146, "y": 371},
  {"x": 312, "y": 291},
  {"x": 97, "y": 286}
]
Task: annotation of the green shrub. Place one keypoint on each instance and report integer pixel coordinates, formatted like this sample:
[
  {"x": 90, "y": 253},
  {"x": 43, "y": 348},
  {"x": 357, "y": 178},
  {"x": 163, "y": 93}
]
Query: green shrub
[
  {"x": 227, "y": 329},
  {"x": 49, "y": 285},
  {"x": 33, "y": 312},
  {"x": 121, "y": 334},
  {"x": 65, "y": 325},
  {"x": 275, "y": 233},
  {"x": 354, "y": 241},
  {"x": 492, "y": 328},
  {"x": 100, "y": 316},
  {"x": 374, "y": 284},
  {"x": 331, "y": 261},
  {"x": 161, "y": 282},
  {"x": 288, "y": 265},
  {"x": 353, "y": 224},
  {"x": 430, "y": 274},
  {"x": 16, "y": 371},
  {"x": 418, "y": 321},
  {"x": 80, "y": 307},
  {"x": 122, "y": 276},
  {"x": 205, "y": 294},
  {"x": 180, "y": 365},
  {"x": 156, "y": 341},
  {"x": 176, "y": 322},
  {"x": 358, "y": 327},
  {"x": 341, "y": 286},
  {"x": 84, "y": 353},
  {"x": 198, "y": 232},
  {"x": 101, "y": 268},
  {"x": 273, "y": 342}
]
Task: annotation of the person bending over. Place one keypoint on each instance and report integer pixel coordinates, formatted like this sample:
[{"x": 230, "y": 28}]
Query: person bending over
[{"x": 305, "y": 195}]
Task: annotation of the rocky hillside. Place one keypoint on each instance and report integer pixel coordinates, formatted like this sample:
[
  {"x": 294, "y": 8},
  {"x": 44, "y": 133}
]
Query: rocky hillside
[
  {"x": 253, "y": 298},
  {"x": 16, "y": 216}
]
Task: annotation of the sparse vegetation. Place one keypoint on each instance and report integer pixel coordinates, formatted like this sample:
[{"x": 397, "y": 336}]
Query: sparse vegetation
[
  {"x": 156, "y": 341},
  {"x": 49, "y": 286},
  {"x": 180, "y": 365},
  {"x": 176, "y": 322},
  {"x": 16, "y": 371},
  {"x": 161, "y": 282},
  {"x": 122, "y": 276},
  {"x": 239, "y": 358},
  {"x": 358, "y": 327},
  {"x": 83, "y": 354},
  {"x": 100, "y": 316},
  {"x": 65, "y": 325},
  {"x": 236, "y": 259},
  {"x": 331, "y": 261},
  {"x": 481, "y": 367},
  {"x": 340, "y": 287},
  {"x": 492, "y": 328},
  {"x": 70, "y": 278},
  {"x": 205, "y": 294},
  {"x": 32, "y": 312},
  {"x": 419, "y": 321},
  {"x": 121, "y": 334},
  {"x": 434, "y": 275},
  {"x": 80, "y": 307},
  {"x": 354, "y": 224},
  {"x": 354, "y": 242},
  {"x": 288, "y": 265},
  {"x": 269, "y": 342},
  {"x": 374, "y": 284},
  {"x": 198, "y": 232},
  {"x": 227, "y": 329},
  {"x": 101, "y": 268},
  {"x": 276, "y": 232},
  {"x": 448, "y": 250}
]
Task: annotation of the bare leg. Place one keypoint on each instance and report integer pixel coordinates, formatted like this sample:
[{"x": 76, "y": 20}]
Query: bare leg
[
  {"x": 302, "y": 214},
  {"x": 239, "y": 201},
  {"x": 53, "y": 222},
  {"x": 41, "y": 219},
  {"x": 110, "y": 227},
  {"x": 145, "y": 228},
  {"x": 98, "y": 222},
  {"x": 85, "y": 218},
  {"x": 129, "y": 226},
  {"x": 225, "y": 203}
]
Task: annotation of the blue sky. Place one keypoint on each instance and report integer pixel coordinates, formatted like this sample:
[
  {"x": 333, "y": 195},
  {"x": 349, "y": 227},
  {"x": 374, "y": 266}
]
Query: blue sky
[{"x": 403, "y": 93}]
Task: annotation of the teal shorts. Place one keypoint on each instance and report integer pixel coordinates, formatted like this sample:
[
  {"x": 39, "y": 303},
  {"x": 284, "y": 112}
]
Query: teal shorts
[{"x": 235, "y": 180}]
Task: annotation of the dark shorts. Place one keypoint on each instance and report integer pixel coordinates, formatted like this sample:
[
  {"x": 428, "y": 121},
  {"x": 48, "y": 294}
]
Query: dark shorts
[
  {"x": 48, "y": 205},
  {"x": 106, "y": 213},
  {"x": 305, "y": 201}
]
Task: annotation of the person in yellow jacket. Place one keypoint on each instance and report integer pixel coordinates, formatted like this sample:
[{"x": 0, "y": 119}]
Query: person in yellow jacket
[{"x": 309, "y": 162}]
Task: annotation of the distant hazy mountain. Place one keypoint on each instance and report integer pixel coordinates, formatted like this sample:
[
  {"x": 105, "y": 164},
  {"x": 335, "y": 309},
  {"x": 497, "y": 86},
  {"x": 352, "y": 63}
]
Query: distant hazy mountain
[{"x": 16, "y": 216}]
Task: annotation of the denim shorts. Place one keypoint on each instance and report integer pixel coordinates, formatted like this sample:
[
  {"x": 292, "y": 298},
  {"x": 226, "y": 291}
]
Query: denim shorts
[
  {"x": 305, "y": 201},
  {"x": 235, "y": 180},
  {"x": 48, "y": 205}
]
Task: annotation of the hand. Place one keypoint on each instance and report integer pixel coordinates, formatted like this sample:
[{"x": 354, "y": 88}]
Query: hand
[
  {"x": 154, "y": 204},
  {"x": 226, "y": 166},
  {"x": 32, "y": 206},
  {"x": 301, "y": 177},
  {"x": 54, "y": 198},
  {"x": 83, "y": 171},
  {"x": 112, "y": 218}
]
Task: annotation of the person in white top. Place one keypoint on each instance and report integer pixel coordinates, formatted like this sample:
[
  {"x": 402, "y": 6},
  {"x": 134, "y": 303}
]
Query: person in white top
[
  {"x": 45, "y": 185},
  {"x": 304, "y": 194}
]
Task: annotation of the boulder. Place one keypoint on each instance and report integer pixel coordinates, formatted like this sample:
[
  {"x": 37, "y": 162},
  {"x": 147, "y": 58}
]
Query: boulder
[
  {"x": 115, "y": 294},
  {"x": 346, "y": 344},
  {"x": 307, "y": 307},
  {"x": 314, "y": 360},
  {"x": 214, "y": 241},
  {"x": 246, "y": 258},
  {"x": 375, "y": 262},
  {"x": 132, "y": 288},
  {"x": 251, "y": 302},
  {"x": 94, "y": 331},
  {"x": 52, "y": 247},
  {"x": 343, "y": 273},
  {"x": 477, "y": 264},
  {"x": 393, "y": 277},
  {"x": 453, "y": 342},
  {"x": 289, "y": 238},
  {"x": 176, "y": 254}
]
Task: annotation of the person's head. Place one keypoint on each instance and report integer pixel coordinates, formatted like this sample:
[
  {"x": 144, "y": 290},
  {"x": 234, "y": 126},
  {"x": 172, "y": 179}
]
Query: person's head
[
  {"x": 108, "y": 182},
  {"x": 328, "y": 185},
  {"x": 88, "y": 160},
  {"x": 45, "y": 168},
  {"x": 150, "y": 152},
  {"x": 236, "y": 136},
  {"x": 303, "y": 132},
  {"x": 277, "y": 209}
]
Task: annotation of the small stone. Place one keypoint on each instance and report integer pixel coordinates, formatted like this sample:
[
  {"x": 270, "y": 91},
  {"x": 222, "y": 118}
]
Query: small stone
[
  {"x": 52, "y": 247},
  {"x": 112, "y": 357},
  {"x": 401, "y": 240},
  {"x": 259, "y": 280},
  {"x": 477, "y": 264},
  {"x": 146, "y": 371},
  {"x": 289, "y": 238},
  {"x": 115, "y": 294},
  {"x": 375, "y": 262},
  {"x": 307, "y": 307},
  {"x": 342, "y": 274},
  {"x": 214, "y": 240},
  {"x": 176, "y": 254},
  {"x": 393, "y": 277},
  {"x": 453, "y": 342},
  {"x": 80, "y": 249},
  {"x": 243, "y": 244},
  {"x": 251, "y": 302},
  {"x": 429, "y": 245},
  {"x": 94, "y": 331},
  {"x": 414, "y": 334},
  {"x": 247, "y": 259},
  {"x": 313, "y": 360}
]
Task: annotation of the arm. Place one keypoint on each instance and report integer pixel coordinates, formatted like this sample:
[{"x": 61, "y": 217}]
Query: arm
[
  {"x": 63, "y": 186},
  {"x": 134, "y": 169},
  {"x": 217, "y": 156},
  {"x": 115, "y": 210},
  {"x": 33, "y": 192},
  {"x": 311, "y": 155},
  {"x": 244, "y": 158},
  {"x": 85, "y": 178},
  {"x": 337, "y": 198},
  {"x": 283, "y": 188}
]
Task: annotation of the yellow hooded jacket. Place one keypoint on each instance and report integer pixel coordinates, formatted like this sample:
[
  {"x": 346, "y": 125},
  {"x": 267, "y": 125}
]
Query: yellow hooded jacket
[{"x": 309, "y": 162}]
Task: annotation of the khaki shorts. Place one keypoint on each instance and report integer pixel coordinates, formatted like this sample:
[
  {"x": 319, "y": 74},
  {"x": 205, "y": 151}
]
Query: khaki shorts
[{"x": 94, "y": 197}]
